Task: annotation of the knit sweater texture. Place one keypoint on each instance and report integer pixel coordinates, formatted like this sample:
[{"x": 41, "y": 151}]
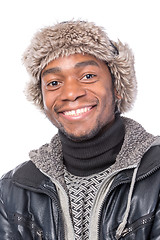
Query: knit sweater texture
[{"x": 87, "y": 160}]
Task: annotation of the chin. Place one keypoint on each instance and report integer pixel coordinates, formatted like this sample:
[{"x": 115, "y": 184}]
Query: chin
[
  {"x": 79, "y": 136},
  {"x": 82, "y": 137}
]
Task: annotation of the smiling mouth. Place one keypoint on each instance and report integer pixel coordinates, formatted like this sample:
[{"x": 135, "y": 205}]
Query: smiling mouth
[{"x": 77, "y": 112}]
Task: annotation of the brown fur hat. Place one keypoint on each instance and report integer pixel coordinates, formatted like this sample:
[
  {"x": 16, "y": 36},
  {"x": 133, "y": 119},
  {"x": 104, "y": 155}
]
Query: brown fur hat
[{"x": 73, "y": 37}]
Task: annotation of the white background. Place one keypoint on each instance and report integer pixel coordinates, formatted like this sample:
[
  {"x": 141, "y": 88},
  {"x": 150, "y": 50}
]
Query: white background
[{"x": 137, "y": 22}]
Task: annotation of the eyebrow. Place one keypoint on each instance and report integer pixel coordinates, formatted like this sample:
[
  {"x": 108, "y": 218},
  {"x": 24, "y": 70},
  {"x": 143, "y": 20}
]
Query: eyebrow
[
  {"x": 51, "y": 70},
  {"x": 77, "y": 65},
  {"x": 86, "y": 63}
]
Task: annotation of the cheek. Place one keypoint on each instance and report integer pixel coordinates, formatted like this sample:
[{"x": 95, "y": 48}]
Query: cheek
[
  {"x": 48, "y": 100},
  {"x": 107, "y": 95},
  {"x": 107, "y": 102},
  {"x": 48, "y": 103}
]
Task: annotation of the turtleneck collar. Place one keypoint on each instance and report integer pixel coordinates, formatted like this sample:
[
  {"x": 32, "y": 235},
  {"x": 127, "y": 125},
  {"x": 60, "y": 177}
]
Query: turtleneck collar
[{"x": 94, "y": 155}]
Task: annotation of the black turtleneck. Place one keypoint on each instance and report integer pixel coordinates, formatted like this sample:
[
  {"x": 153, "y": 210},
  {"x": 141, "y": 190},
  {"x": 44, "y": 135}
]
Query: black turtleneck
[{"x": 94, "y": 155}]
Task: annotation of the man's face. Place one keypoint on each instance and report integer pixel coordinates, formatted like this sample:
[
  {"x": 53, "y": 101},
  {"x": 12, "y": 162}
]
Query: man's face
[{"x": 78, "y": 95}]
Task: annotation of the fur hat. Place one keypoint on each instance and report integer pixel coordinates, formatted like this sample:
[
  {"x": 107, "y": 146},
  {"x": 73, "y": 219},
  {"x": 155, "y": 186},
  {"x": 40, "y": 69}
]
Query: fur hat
[{"x": 66, "y": 38}]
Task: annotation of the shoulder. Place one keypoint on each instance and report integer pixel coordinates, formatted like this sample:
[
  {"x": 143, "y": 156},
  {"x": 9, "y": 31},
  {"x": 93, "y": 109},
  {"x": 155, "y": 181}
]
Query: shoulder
[
  {"x": 150, "y": 161},
  {"x": 149, "y": 165},
  {"x": 25, "y": 174}
]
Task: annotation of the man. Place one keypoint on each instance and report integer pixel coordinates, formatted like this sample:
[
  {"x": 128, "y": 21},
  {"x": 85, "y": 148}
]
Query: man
[{"x": 99, "y": 177}]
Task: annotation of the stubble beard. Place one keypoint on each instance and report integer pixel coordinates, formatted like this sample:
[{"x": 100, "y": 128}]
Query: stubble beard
[
  {"x": 98, "y": 129},
  {"x": 84, "y": 137}
]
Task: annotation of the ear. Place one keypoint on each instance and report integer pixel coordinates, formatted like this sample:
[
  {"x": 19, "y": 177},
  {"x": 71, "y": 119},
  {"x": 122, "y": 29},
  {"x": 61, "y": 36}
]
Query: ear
[{"x": 118, "y": 97}]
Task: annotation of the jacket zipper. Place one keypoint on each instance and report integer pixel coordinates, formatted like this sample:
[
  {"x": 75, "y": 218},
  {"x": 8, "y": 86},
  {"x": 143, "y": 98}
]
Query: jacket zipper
[
  {"x": 109, "y": 191},
  {"x": 47, "y": 190},
  {"x": 58, "y": 205},
  {"x": 148, "y": 174},
  {"x": 130, "y": 229},
  {"x": 113, "y": 187},
  {"x": 21, "y": 221},
  {"x": 40, "y": 234}
]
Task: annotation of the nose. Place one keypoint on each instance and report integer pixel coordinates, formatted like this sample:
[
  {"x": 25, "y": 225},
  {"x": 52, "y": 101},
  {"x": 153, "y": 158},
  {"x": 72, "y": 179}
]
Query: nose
[{"x": 72, "y": 90}]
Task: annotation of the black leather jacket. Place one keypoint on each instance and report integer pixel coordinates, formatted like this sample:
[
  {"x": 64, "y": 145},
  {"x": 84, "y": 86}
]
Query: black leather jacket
[{"x": 30, "y": 207}]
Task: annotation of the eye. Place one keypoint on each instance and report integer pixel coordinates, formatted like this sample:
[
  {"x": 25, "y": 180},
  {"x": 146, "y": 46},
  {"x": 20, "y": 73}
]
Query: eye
[
  {"x": 53, "y": 85},
  {"x": 89, "y": 76}
]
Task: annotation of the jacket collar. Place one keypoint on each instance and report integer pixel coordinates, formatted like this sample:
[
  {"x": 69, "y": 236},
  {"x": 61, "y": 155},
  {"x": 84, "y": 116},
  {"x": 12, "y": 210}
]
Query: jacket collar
[
  {"x": 28, "y": 175},
  {"x": 49, "y": 157}
]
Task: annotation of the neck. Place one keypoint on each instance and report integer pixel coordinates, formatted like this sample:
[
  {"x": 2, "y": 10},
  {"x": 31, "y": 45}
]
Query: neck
[{"x": 94, "y": 155}]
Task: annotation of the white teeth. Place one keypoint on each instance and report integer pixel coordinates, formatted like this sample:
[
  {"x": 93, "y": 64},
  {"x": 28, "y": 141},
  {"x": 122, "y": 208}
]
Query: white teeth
[{"x": 77, "y": 112}]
